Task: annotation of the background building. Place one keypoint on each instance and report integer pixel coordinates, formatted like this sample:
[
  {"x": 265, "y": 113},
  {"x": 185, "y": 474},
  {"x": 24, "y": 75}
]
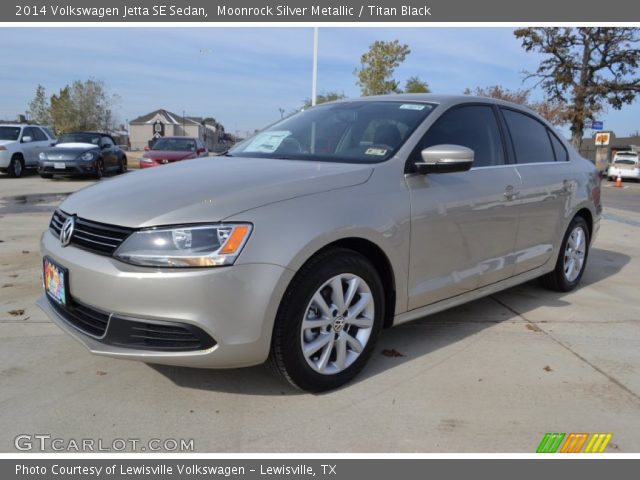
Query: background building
[{"x": 162, "y": 123}]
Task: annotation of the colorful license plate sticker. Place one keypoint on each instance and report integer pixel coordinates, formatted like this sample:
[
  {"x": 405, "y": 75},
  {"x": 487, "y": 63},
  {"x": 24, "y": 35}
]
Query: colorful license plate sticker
[{"x": 55, "y": 281}]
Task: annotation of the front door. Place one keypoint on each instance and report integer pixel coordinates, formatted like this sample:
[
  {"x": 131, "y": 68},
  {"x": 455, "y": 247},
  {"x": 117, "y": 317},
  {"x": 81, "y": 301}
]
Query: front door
[{"x": 463, "y": 225}]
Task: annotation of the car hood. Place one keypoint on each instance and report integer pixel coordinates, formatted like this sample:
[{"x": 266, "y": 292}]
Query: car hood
[
  {"x": 172, "y": 156},
  {"x": 207, "y": 190},
  {"x": 68, "y": 151}
]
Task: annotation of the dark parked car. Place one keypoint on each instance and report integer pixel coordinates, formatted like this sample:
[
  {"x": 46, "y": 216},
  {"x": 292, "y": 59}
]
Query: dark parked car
[
  {"x": 173, "y": 149},
  {"x": 82, "y": 153}
]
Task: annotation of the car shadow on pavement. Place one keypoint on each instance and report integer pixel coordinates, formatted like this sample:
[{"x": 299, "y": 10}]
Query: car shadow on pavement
[{"x": 417, "y": 339}]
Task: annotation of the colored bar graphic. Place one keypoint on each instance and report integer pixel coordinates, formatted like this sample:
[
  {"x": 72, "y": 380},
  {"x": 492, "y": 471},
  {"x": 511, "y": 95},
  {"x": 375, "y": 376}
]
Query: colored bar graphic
[
  {"x": 598, "y": 443},
  {"x": 550, "y": 442},
  {"x": 574, "y": 442}
]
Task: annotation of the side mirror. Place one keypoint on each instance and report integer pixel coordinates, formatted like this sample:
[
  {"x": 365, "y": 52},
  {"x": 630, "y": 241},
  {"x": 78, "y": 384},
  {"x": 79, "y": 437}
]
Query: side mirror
[
  {"x": 445, "y": 159},
  {"x": 26, "y": 139},
  {"x": 146, "y": 148},
  {"x": 201, "y": 151},
  {"x": 104, "y": 146}
]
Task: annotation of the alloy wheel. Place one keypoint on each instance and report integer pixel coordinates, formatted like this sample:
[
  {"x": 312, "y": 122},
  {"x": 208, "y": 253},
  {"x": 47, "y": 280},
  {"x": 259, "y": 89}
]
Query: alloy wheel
[
  {"x": 337, "y": 324},
  {"x": 574, "y": 253}
]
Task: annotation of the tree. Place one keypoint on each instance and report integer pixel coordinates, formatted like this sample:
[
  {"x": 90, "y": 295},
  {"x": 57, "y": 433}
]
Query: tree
[
  {"x": 415, "y": 85},
  {"x": 38, "y": 109},
  {"x": 587, "y": 68},
  {"x": 375, "y": 75},
  {"x": 553, "y": 112},
  {"x": 325, "y": 97},
  {"x": 62, "y": 112},
  {"x": 83, "y": 105}
]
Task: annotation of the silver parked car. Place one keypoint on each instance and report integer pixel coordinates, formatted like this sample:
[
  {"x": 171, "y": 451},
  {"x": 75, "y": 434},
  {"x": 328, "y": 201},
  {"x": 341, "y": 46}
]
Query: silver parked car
[{"x": 307, "y": 239}]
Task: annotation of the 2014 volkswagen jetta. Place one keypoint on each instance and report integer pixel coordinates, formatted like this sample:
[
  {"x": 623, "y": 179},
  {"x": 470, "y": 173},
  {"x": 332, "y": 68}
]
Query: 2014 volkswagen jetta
[{"x": 307, "y": 239}]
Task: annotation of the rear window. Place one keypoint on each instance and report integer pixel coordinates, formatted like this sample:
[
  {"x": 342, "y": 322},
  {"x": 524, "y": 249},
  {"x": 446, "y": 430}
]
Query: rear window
[{"x": 625, "y": 161}]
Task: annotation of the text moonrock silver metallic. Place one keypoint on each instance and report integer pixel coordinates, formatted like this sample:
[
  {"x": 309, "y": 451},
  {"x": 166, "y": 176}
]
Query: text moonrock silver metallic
[{"x": 305, "y": 240}]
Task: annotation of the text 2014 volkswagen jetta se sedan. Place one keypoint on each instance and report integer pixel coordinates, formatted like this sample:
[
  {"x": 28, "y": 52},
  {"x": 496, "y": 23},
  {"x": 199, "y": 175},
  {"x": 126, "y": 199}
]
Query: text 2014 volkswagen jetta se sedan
[{"x": 307, "y": 239}]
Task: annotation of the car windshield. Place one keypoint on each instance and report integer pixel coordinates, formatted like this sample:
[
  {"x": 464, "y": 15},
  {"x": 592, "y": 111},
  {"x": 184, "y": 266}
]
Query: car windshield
[
  {"x": 175, "y": 145},
  {"x": 79, "y": 138},
  {"x": 9, "y": 133},
  {"x": 350, "y": 132},
  {"x": 625, "y": 161}
]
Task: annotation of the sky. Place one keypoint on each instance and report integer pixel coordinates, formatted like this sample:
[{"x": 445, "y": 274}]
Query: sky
[{"x": 243, "y": 76}]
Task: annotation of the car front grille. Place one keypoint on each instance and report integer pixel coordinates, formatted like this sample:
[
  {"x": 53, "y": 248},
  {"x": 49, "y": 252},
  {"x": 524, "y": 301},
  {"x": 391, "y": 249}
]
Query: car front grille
[
  {"x": 86, "y": 319},
  {"x": 126, "y": 332},
  {"x": 163, "y": 336},
  {"x": 93, "y": 236}
]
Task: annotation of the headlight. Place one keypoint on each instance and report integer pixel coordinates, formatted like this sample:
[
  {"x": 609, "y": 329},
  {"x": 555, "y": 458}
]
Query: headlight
[
  {"x": 188, "y": 246},
  {"x": 42, "y": 156},
  {"x": 88, "y": 156}
]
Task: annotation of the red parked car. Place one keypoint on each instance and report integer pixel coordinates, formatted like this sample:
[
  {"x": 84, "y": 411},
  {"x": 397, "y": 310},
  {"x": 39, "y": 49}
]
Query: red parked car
[{"x": 173, "y": 149}]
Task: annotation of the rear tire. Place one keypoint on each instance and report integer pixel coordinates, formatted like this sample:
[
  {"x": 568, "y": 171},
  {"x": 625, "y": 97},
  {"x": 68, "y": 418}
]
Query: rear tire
[
  {"x": 123, "y": 165},
  {"x": 341, "y": 292},
  {"x": 572, "y": 258},
  {"x": 16, "y": 166}
]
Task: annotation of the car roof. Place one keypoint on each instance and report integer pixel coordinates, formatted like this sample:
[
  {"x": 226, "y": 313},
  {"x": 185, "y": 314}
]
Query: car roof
[
  {"x": 87, "y": 133},
  {"x": 438, "y": 99},
  {"x": 182, "y": 137}
]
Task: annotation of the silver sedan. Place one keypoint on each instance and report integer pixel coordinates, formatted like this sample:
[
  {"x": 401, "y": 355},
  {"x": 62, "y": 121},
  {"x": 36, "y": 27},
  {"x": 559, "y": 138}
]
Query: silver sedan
[{"x": 306, "y": 240}]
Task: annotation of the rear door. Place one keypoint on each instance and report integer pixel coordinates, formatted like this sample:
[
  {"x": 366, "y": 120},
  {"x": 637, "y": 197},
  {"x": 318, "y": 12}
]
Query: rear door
[
  {"x": 543, "y": 164},
  {"x": 40, "y": 142},
  {"x": 463, "y": 225}
]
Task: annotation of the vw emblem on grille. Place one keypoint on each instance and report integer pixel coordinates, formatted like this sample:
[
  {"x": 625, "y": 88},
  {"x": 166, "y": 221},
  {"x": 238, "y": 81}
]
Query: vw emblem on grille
[{"x": 66, "y": 232}]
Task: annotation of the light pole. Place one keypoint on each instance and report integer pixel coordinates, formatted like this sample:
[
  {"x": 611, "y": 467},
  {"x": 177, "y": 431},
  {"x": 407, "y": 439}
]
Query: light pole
[
  {"x": 281, "y": 110},
  {"x": 314, "y": 81}
]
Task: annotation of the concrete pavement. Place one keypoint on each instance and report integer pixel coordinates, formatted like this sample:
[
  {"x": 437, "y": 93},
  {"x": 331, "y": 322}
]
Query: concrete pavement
[{"x": 490, "y": 376}]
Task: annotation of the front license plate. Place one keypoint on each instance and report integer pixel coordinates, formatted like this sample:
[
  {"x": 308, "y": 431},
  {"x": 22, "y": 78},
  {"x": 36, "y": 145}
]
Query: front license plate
[
  {"x": 56, "y": 281},
  {"x": 59, "y": 165}
]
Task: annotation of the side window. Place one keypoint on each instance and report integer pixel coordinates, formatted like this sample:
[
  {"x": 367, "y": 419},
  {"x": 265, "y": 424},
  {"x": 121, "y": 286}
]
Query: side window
[
  {"x": 558, "y": 148},
  {"x": 38, "y": 134},
  {"x": 530, "y": 139},
  {"x": 48, "y": 132},
  {"x": 28, "y": 132},
  {"x": 474, "y": 127},
  {"x": 106, "y": 141}
]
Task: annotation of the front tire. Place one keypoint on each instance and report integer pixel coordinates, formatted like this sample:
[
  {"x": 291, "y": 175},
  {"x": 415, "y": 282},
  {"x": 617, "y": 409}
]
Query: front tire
[
  {"x": 16, "y": 166},
  {"x": 99, "y": 173},
  {"x": 123, "y": 165},
  {"x": 572, "y": 258},
  {"x": 328, "y": 321}
]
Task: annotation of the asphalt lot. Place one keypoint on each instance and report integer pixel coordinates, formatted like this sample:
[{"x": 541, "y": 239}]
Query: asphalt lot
[{"x": 490, "y": 376}]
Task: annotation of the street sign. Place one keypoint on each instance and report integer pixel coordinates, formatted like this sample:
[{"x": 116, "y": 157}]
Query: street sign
[
  {"x": 603, "y": 138},
  {"x": 597, "y": 125}
]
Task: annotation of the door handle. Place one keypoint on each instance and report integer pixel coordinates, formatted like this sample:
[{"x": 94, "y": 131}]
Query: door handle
[{"x": 510, "y": 192}]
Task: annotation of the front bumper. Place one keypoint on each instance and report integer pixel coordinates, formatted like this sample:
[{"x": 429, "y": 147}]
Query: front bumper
[
  {"x": 5, "y": 159},
  {"x": 235, "y": 306},
  {"x": 71, "y": 167}
]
